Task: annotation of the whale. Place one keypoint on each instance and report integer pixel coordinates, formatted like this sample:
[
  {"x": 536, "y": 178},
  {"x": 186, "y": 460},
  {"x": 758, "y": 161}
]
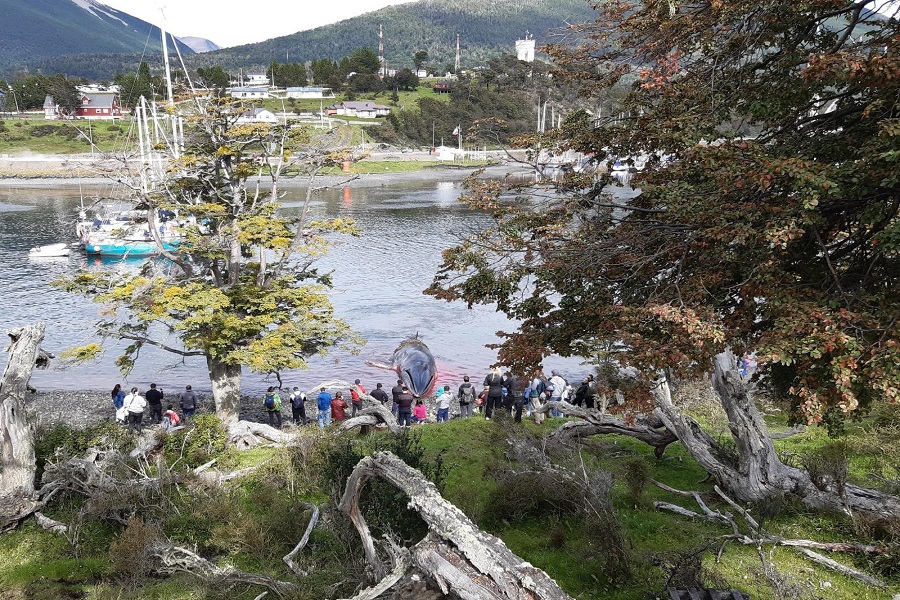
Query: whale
[{"x": 415, "y": 366}]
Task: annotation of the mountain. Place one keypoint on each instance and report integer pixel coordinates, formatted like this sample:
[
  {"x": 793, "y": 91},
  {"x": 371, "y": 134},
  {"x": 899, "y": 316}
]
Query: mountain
[
  {"x": 486, "y": 28},
  {"x": 44, "y": 29},
  {"x": 198, "y": 44}
]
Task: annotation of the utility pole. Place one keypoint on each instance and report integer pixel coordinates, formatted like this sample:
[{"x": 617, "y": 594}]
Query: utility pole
[{"x": 382, "y": 69}]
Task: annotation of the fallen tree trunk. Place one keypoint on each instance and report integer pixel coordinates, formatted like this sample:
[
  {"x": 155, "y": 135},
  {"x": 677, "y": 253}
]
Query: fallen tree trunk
[
  {"x": 173, "y": 559},
  {"x": 488, "y": 557},
  {"x": 17, "y": 485},
  {"x": 758, "y": 474},
  {"x": 649, "y": 429},
  {"x": 373, "y": 414},
  {"x": 247, "y": 434}
]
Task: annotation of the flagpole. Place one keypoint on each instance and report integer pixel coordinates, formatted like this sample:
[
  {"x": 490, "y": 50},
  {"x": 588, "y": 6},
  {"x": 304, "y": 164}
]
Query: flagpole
[{"x": 459, "y": 136}]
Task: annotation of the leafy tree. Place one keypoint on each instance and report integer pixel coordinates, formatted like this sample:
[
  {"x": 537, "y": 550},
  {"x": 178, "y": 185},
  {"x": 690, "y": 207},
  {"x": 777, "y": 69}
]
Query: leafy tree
[
  {"x": 323, "y": 70},
  {"x": 363, "y": 60},
  {"x": 406, "y": 80},
  {"x": 214, "y": 76},
  {"x": 132, "y": 86},
  {"x": 366, "y": 83},
  {"x": 767, "y": 220},
  {"x": 420, "y": 58},
  {"x": 287, "y": 75},
  {"x": 241, "y": 289},
  {"x": 64, "y": 92}
]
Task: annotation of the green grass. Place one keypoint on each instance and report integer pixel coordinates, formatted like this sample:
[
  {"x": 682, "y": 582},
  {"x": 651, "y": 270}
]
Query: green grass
[
  {"x": 257, "y": 519},
  {"x": 62, "y": 137}
]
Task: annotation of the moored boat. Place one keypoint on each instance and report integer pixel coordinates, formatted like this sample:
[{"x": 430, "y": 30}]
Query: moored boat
[{"x": 49, "y": 251}]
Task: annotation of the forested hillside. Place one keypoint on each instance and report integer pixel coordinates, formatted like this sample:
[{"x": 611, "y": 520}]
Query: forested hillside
[
  {"x": 35, "y": 30},
  {"x": 486, "y": 30}
]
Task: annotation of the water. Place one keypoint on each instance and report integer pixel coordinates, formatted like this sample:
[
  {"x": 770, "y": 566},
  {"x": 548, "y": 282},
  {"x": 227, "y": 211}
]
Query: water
[{"x": 378, "y": 283}]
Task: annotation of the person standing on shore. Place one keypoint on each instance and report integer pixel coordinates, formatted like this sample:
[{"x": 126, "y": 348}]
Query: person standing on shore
[
  {"x": 395, "y": 392},
  {"x": 135, "y": 404},
  {"x": 339, "y": 407},
  {"x": 118, "y": 398},
  {"x": 323, "y": 402},
  {"x": 272, "y": 403},
  {"x": 467, "y": 395},
  {"x": 188, "y": 401},
  {"x": 298, "y": 406},
  {"x": 355, "y": 397},
  {"x": 493, "y": 386},
  {"x": 443, "y": 405},
  {"x": 379, "y": 394},
  {"x": 154, "y": 403},
  {"x": 404, "y": 407}
]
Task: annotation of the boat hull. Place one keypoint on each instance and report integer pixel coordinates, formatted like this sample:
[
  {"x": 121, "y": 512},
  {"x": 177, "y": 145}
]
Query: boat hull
[{"x": 125, "y": 248}]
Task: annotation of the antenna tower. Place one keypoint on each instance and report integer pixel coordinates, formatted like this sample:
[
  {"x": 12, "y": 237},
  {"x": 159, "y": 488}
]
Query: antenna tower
[
  {"x": 456, "y": 64},
  {"x": 381, "y": 67}
]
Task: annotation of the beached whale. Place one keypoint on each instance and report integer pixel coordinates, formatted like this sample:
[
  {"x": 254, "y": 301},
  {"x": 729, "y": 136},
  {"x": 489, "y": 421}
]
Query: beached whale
[{"x": 415, "y": 366}]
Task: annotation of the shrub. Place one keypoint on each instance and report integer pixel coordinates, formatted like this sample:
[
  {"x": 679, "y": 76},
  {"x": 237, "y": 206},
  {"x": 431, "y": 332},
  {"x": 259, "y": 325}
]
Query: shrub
[
  {"x": 198, "y": 444},
  {"x": 636, "y": 476},
  {"x": 130, "y": 554},
  {"x": 828, "y": 467},
  {"x": 42, "y": 130}
]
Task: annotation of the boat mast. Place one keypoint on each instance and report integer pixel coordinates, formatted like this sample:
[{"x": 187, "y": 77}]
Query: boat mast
[{"x": 170, "y": 97}]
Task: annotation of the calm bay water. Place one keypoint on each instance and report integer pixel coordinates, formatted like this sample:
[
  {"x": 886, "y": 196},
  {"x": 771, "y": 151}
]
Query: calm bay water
[{"x": 378, "y": 283}]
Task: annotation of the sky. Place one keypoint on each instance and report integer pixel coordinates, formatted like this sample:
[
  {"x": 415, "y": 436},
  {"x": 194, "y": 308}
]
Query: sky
[{"x": 236, "y": 22}]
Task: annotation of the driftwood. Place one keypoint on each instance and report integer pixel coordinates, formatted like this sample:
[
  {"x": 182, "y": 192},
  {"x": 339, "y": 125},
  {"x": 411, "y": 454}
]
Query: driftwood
[
  {"x": 289, "y": 557},
  {"x": 646, "y": 428},
  {"x": 373, "y": 414},
  {"x": 756, "y": 537},
  {"x": 173, "y": 559},
  {"x": 18, "y": 499},
  {"x": 247, "y": 434},
  {"x": 491, "y": 569}
]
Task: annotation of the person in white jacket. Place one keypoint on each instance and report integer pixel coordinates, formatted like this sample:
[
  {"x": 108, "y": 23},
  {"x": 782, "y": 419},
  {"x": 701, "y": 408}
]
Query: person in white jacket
[
  {"x": 135, "y": 404},
  {"x": 559, "y": 384}
]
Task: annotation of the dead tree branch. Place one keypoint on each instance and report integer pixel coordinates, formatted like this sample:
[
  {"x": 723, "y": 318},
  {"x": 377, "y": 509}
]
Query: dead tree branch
[
  {"x": 488, "y": 556},
  {"x": 289, "y": 557}
]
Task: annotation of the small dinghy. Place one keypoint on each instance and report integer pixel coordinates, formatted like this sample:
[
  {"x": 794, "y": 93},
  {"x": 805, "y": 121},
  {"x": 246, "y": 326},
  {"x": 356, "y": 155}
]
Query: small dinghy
[{"x": 49, "y": 251}]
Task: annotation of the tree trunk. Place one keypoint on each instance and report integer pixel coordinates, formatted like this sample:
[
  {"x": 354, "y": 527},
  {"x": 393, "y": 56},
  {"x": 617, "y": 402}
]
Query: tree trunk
[
  {"x": 758, "y": 474},
  {"x": 17, "y": 492},
  {"x": 226, "y": 388},
  {"x": 646, "y": 428},
  {"x": 16, "y": 435},
  {"x": 488, "y": 557}
]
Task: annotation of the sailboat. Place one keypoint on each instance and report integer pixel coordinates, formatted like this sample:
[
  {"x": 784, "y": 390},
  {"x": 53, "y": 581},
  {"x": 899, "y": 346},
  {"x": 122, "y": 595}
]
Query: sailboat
[{"x": 128, "y": 233}]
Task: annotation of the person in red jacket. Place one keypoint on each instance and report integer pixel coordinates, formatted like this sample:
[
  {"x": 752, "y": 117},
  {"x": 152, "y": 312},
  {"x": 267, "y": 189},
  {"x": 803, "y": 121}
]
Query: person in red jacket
[{"x": 339, "y": 407}]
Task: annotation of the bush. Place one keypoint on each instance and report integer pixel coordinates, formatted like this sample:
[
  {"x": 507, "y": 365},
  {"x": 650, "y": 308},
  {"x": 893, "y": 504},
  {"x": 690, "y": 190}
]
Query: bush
[
  {"x": 196, "y": 445},
  {"x": 636, "y": 476},
  {"x": 130, "y": 555},
  {"x": 828, "y": 467},
  {"x": 42, "y": 130}
]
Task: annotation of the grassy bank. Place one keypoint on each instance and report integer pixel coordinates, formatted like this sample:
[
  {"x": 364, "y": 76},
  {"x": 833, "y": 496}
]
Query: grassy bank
[{"x": 496, "y": 472}]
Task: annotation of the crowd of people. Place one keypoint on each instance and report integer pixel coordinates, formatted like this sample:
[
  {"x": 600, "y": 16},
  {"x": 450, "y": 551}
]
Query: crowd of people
[
  {"x": 130, "y": 407},
  {"x": 499, "y": 391}
]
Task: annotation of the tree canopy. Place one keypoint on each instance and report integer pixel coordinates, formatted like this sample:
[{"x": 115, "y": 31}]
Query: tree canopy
[
  {"x": 766, "y": 219},
  {"x": 240, "y": 289}
]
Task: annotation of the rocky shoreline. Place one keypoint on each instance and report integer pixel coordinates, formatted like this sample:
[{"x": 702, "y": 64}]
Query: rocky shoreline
[{"x": 84, "y": 408}]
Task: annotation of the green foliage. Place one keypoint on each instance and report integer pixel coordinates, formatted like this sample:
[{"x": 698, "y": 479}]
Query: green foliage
[{"x": 195, "y": 445}]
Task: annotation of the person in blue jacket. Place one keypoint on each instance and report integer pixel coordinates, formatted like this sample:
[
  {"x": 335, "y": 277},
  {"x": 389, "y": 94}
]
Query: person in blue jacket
[{"x": 323, "y": 402}]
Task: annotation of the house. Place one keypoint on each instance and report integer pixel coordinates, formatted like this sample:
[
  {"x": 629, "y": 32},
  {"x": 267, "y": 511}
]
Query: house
[
  {"x": 258, "y": 115},
  {"x": 249, "y": 92},
  {"x": 94, "y": 106},
  {"x": 442, "y": 87},
  {"x": 51, "y": 110},
  {"x": 309, "y": 92},
  {"x": 364, "y": 109}
]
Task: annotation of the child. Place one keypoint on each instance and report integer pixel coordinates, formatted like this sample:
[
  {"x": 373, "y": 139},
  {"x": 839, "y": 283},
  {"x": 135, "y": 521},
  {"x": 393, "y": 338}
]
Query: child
[
  {"x": 419, "y": 412},
  {"x": 170, "y": 419},
  {"x": 443, "y": 405}
]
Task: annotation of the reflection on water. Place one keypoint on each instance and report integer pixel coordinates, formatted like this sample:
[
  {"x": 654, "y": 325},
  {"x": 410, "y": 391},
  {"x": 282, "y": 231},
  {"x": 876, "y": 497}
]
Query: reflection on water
[{"x": 378, "y": 282}]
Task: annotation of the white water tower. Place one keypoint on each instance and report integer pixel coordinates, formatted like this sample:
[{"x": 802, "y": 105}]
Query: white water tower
[{"x": 525, "y": 48}]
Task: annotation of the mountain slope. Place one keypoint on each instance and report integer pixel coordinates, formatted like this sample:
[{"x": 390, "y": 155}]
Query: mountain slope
[
  {"x": 39, "y": 29},
  {"x": 486, "y": 28}
]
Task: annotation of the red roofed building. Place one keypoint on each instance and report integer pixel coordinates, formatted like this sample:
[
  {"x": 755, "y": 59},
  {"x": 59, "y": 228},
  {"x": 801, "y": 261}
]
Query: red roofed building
[{"x": 102, "y": 105}]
